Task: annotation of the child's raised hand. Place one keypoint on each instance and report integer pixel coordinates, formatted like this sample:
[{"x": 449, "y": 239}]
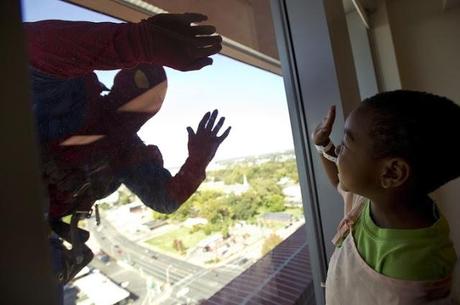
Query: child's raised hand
[{"x": 322, "y": 132}]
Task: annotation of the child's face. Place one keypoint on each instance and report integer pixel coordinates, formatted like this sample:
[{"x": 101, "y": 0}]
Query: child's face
[{"x": 357, "y": 169}]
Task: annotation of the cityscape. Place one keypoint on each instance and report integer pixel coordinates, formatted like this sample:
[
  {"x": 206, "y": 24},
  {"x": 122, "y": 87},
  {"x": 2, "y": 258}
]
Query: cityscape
[{"x": 244, "y": 208}]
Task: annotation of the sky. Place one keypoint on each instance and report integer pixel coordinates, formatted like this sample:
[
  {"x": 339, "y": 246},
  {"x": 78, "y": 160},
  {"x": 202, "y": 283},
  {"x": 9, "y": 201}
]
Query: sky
[{"x": 253, "y": 101}]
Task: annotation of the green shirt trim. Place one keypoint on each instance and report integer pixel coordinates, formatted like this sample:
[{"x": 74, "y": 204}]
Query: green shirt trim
[{"x": 415, "y": 254}]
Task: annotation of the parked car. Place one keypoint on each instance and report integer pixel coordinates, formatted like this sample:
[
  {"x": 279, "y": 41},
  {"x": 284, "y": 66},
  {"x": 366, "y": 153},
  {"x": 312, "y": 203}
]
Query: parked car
[{"x": 103, "y": 257}]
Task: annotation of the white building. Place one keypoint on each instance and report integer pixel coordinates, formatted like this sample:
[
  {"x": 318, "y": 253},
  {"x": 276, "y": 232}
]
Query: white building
[{"x": 97, "y": 289}]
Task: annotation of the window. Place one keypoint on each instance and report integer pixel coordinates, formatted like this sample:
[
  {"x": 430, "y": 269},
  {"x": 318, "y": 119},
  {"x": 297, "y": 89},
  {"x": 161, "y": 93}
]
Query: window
[{"x": 226, "y": 233}]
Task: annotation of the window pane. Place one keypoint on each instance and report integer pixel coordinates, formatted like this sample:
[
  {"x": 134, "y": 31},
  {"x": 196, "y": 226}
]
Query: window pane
[{"x": 233, "y": 236}]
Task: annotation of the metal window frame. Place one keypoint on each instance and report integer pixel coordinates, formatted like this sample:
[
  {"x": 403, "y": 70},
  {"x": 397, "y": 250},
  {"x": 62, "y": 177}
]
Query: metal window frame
[{"x": 318, "y": 71}]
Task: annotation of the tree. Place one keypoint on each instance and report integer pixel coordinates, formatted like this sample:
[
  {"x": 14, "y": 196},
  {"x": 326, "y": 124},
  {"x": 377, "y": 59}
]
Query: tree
[
  {"x": 230, "y": 175},
  {"x": 125, "y": 196},
  {"x": 275, "y": 203},
  {"x": 104, "y": 205},
  {"x": 159, "y": 216},
  {"x": 209, "y": 228},
  {"x": 270, "y": 243},
  {"x": 222, "y": 210},
  {"x": 225, "y": 231},
  {"x": 185, "y": 211},
  {"x": 214, "y": 209},
  {"x": 178, "y": 245},
  {"x": 243, "y": 207}
]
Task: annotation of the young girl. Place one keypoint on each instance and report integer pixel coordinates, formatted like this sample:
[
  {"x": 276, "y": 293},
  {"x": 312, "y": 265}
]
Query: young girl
[{"x": 393, "y": 245}]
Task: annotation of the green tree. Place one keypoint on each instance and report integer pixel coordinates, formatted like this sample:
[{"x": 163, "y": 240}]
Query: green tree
[
  {"x": 275, "y": 203},
  {"x": 270, "y": 243},
  {"x": 222, "y": 210},
  {"x": 210, "y": 228},
  {"x": 225, "y": 231},
  {"x": 185, "y": 211},
  {"x": 231, "y": 175},
  {"x": 125, "y": 196},
  {"x": 178, "y": 245},
  {"x": 104, "y": 205},
  {"x": 159, "y": 216},
  {"x": 245, "y": 206}
]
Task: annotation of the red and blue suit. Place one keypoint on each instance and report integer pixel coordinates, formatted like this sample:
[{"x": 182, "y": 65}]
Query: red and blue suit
[
  {"x": 88, "y": 140},
  {"x": 69, "y": 106}
]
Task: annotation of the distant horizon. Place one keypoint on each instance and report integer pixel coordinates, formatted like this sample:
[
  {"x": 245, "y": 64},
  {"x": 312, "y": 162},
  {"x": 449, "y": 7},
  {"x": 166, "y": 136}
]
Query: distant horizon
[
  {"x": 215, "y": 162},
  {"x": 285, "y": 151}
]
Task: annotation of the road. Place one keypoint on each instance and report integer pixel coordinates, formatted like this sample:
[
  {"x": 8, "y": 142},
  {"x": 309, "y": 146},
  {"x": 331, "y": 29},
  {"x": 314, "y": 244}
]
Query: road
[{"x": 181, "y": 282}]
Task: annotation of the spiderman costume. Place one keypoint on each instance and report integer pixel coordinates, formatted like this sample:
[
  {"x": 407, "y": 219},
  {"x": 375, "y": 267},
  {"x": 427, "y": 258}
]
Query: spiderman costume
[{"x": 89, "y": 143}]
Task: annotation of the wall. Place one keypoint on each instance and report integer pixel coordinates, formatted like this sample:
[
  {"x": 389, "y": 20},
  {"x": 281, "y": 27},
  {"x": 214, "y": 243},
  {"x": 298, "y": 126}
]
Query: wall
[
  {"x": 424, "y": 56},
  {"x": 25, "y": 264},
  {"x": 381, "y": 40},
  {"x": 427, "y": 45},
  {"x": 362, "y": 55}
]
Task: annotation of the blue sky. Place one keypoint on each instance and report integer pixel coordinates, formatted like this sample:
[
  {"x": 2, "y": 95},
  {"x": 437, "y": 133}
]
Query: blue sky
[{"x": 253, "y": 101}]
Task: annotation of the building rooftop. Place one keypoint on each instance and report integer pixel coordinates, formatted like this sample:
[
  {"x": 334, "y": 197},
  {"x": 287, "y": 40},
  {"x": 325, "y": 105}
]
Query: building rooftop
[
  {"x": 282, "y": 277},
  {"x": 100, "y": 290}
]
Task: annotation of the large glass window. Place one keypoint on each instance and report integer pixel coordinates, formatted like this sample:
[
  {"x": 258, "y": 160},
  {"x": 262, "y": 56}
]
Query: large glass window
[{"x": 249, "y": 203}]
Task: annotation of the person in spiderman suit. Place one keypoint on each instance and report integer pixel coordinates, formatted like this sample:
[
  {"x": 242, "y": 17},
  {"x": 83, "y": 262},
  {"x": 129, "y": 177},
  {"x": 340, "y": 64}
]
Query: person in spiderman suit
[{"x": 89, "y": 143}]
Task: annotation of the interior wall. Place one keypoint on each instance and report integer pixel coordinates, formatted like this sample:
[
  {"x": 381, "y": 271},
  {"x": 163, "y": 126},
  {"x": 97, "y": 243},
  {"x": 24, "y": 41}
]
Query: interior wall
[
  {"x": 426, "y": 44},
  {"x": 362, "y": 55},
  {"x": 25, "y": 263},
  {"x": 383, "y": 50}
]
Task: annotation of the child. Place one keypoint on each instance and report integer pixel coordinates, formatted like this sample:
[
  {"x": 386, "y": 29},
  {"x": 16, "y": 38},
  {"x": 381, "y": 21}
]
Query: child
[{"x": 393, "y": 246}]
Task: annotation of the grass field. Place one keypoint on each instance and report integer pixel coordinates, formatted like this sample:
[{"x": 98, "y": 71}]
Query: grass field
[{"x": 165, "y": 242}]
